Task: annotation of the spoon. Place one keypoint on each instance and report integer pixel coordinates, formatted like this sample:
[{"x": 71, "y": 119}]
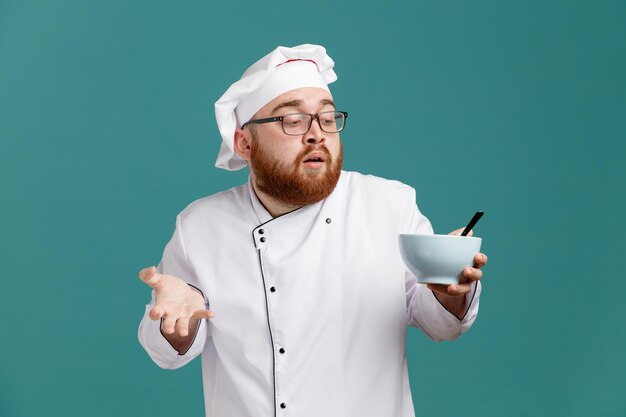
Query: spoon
[{"x": 472, "y": 222}]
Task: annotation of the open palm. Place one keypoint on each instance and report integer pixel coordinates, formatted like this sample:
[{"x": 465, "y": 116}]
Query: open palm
[{"x": 176, "y": 302}]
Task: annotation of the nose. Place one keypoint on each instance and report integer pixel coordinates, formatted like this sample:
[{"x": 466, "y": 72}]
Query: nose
[{"x": 315, "y": 133}]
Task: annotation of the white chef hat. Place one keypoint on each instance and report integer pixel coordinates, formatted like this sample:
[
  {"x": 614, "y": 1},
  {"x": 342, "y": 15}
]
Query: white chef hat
[{"x": 281, "y": 70}]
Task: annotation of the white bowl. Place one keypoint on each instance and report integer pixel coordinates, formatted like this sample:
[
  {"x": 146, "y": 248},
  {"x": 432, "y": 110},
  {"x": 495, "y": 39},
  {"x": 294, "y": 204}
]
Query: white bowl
[{"x": 438, "y": 259}]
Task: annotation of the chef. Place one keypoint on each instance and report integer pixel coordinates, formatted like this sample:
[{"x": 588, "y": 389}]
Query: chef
[{"x": 291, "y": 286}]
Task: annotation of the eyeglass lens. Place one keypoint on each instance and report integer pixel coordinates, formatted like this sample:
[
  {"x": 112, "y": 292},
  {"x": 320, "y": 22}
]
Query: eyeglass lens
[{"x": 299, "y": 124}]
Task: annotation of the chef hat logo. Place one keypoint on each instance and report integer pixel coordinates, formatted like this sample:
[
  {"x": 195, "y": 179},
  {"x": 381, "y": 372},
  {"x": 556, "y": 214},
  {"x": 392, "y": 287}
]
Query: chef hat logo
[{"x": 282, "y": 70}]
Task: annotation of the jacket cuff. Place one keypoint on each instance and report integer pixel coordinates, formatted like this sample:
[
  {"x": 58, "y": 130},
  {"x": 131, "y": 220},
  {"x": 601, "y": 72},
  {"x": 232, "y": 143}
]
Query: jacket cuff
[
  {"x": 436, "y": 321},
  {"x": 464, "y": 322},
  {"x": 159, "y": 348}
]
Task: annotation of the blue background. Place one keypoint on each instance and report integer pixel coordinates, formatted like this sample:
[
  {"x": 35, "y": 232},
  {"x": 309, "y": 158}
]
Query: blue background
[{"x": 517, "y": 108}]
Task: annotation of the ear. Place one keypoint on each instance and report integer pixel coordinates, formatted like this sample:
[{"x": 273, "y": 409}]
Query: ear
[{"x": 242, "y": 143}]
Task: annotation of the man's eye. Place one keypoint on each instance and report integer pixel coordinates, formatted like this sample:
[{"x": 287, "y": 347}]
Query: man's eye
[{"x": 292, "y": 122}]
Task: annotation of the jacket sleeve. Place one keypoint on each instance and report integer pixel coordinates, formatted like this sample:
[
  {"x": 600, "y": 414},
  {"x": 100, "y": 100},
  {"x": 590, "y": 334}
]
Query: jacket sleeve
[
  {"x": 423, "y": 308},
  {"x": 174, "y": 262}
]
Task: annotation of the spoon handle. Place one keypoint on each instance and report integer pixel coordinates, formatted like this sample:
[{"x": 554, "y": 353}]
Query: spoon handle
[{"x": 472, "y": 223}]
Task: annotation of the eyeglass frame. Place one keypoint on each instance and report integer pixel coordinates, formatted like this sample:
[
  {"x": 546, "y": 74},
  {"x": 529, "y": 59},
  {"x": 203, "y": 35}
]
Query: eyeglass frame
[{"x": 313, "y": 117}]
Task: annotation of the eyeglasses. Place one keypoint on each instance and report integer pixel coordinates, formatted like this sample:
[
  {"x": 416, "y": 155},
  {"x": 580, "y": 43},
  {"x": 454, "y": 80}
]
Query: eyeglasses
[{"x": 297, "y": 124}]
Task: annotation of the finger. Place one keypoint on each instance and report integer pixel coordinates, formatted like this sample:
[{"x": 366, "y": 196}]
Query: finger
[
  {"x": 182, "y": 326},
  {"x": 150, "y": 277},
  {"x": 459, "y": 289},
  {"x": 480, "y": 260},
  {"x": 458, "y": 232},
  {"x": 471, "y": 274},
  {"x": 146, "y": 273},
  {"x": 202, "y": 314},
  {"x": 455, "y": 290},
  {"x": 156, "y": 313},
  {"x": 169, "y": 323}
]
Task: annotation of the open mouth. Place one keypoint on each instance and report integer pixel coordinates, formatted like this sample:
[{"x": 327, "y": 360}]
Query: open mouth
[{"x": 315, "y": 157}]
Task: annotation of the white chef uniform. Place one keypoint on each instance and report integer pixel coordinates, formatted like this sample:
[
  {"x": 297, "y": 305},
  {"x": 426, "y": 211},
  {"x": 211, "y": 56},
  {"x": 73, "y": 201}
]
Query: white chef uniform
[{"x": 311, "y": 307}]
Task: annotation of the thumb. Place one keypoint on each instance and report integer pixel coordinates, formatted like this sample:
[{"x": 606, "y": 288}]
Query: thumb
[
  {"x": 202, "y": 314},
  {"x": 149, "y": 276},
  {"x": 458, "y": 232}
]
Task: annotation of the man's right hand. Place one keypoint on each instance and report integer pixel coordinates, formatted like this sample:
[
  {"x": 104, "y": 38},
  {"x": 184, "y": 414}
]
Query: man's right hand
[{"x": 179, "y": 304}]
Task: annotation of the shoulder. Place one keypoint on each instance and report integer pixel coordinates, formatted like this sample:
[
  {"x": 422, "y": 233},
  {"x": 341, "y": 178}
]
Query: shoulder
[
  {"x": 387, "y": 203},
  {"x": 375, "y": 187},
  {"x": 232, "y": 201}
]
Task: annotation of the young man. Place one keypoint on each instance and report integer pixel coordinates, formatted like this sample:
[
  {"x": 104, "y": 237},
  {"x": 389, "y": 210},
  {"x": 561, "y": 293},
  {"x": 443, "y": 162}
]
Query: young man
[{"x": 309, "y": 298}]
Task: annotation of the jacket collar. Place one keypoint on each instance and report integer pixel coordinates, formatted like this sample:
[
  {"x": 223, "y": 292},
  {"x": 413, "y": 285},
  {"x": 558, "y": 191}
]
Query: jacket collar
[{"x": 261, "y": 212}]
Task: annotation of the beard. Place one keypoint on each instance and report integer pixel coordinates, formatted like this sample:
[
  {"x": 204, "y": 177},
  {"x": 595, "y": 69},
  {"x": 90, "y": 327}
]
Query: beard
[{"x": 292, "y": 184}]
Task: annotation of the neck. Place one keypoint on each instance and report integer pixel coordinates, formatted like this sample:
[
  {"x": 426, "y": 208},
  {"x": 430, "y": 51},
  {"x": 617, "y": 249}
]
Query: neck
[{"x": 274, "y": 207}]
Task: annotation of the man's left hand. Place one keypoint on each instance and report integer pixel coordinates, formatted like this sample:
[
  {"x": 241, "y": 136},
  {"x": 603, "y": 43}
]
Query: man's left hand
[{"x": 470, "y": 274}]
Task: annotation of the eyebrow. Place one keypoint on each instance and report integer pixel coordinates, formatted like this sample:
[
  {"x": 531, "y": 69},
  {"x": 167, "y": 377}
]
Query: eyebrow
[{"x": 297, "y": 103}]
